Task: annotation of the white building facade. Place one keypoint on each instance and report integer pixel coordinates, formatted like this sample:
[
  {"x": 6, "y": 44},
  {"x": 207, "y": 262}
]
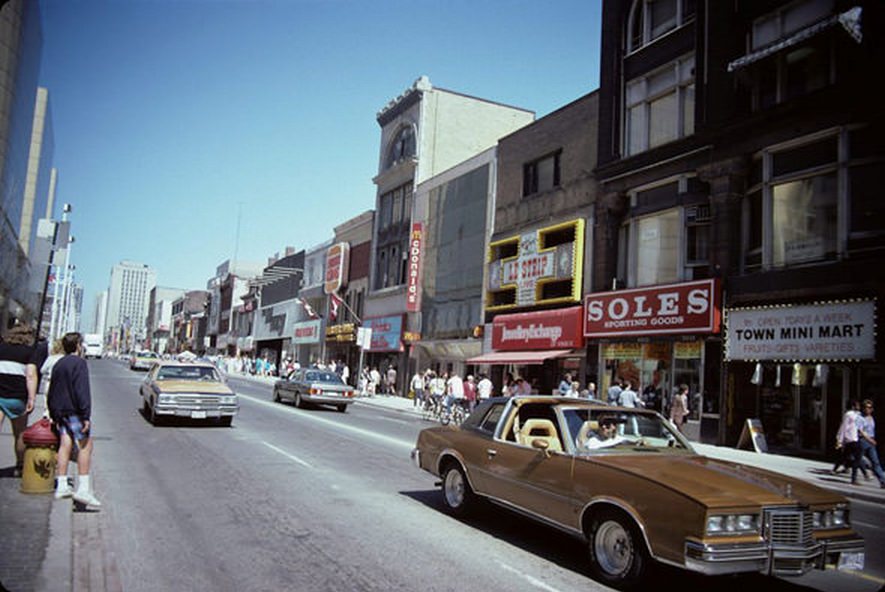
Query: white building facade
[{"x": 128, "y": 297}]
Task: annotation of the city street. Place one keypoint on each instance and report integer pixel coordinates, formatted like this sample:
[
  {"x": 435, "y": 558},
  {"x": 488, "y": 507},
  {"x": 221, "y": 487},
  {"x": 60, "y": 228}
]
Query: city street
[{"x": 291, "y": 499}]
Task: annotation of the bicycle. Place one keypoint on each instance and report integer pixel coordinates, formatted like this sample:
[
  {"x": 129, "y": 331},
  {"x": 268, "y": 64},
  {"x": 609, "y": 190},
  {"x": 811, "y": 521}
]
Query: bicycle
[
  {"x": 455, "y": 415},
  {"x": 432, "y": 408}
]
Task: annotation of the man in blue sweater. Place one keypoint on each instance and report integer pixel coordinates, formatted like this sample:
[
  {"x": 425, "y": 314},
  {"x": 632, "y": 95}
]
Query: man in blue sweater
[{"x": 70, "y": 407}]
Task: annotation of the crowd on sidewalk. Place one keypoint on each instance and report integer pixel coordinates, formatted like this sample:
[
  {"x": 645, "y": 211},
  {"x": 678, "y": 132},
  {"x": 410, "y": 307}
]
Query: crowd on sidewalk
[{"x": 26, "y": 367}]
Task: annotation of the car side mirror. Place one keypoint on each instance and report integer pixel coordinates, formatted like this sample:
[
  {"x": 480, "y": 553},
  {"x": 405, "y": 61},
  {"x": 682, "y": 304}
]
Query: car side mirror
[{"x": 543, "y": 445}]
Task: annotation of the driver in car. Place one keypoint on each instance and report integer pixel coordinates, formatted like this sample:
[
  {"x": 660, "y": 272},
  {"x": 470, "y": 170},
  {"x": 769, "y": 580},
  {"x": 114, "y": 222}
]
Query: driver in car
[{"x": 606, "y": 436}]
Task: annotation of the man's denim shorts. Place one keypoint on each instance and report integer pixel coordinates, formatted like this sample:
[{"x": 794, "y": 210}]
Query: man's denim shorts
[{"x": 73, "y": 426}]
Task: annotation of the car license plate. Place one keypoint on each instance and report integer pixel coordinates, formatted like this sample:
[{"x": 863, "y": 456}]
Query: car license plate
[
  {"x": 852, "y": 561},
  {"x": 198, "y": 415}
]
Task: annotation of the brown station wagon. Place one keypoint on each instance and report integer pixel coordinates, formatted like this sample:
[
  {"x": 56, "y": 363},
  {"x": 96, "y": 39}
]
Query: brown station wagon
[{"x": 631, "y": 486}]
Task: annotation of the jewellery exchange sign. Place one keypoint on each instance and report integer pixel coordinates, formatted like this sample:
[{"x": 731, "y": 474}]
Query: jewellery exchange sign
[{"x": 826, "y": 332}]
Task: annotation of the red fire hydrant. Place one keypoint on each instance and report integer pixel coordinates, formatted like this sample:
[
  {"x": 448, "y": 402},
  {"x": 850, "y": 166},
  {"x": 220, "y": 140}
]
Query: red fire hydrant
[{"x": 41, "y": 445}]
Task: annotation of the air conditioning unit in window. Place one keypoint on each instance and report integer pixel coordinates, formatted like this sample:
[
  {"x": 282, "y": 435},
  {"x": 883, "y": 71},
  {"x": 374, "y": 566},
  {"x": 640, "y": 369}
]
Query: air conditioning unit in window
[{"x": 698, "y": 213}]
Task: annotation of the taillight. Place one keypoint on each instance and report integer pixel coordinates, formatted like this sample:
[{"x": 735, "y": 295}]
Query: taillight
[{"x": 348, "y": 393}]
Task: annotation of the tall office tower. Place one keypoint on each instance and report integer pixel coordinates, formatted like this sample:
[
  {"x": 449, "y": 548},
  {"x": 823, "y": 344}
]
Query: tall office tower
[
  {"x": 128, "y": 298},
  {"x": 21, "y": 46}
]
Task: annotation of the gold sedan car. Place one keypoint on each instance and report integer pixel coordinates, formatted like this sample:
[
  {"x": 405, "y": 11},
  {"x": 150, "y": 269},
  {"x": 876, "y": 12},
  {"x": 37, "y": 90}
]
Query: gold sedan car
[
  {"x": 631, "y": 486},
  {"x": 193, "y": 390}
]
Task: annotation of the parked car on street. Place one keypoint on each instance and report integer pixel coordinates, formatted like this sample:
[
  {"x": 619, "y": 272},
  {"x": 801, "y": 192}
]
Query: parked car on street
[
  {"x": 311, "y": 385},
  {"x": 143, "y": 360},
  {"x": 193, "y": 390},
  {"x": 627, "y": 483}
]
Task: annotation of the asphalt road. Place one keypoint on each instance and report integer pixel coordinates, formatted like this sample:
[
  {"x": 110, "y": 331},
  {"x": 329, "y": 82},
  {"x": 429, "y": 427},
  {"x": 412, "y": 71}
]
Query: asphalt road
[{"x": 291, "y": 499}]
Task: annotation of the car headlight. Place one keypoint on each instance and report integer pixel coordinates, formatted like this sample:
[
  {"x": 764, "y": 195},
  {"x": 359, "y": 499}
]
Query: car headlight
[
  {"x": 166, "y": 399},
  {"x": 724, "y": 524},
  {"x": 232, "y": 400},
  {"x": 833, "y": 518}
]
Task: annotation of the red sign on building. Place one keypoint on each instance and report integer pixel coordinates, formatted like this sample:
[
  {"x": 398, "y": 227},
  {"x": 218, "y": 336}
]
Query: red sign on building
[
  {"x": 692, "y": 307},
  {"x": 413, "y": 279},
  {"x": 337, "y": 259},
  {"x": 549, "y": 329}
]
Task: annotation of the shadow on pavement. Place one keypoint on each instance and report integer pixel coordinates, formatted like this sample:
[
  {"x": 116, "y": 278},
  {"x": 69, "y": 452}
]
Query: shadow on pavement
[{"x": 570, "y": 552}]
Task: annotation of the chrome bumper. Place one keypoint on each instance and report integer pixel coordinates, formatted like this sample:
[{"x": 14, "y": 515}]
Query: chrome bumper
[
  {"x": 191, "y": 410},
  {"x": 781, "y": 560}
]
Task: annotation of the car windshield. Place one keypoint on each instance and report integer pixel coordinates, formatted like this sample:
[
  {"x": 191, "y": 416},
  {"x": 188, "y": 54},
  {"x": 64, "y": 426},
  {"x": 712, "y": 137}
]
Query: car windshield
[
  {"x": 323, "y": 377},
  {"x": 187, "y": 373},
  {"x": 604, "y": 431},
  {"x": 147, "y": 355}
]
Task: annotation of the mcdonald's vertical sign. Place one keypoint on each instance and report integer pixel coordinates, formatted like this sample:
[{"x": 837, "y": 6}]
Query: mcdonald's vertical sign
[{"x": 413, "y": 284}]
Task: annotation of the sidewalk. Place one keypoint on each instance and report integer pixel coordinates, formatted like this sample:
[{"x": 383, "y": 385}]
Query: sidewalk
[
  {"x": 817, "y": 472},
  {"x": 36, "y": 546}
]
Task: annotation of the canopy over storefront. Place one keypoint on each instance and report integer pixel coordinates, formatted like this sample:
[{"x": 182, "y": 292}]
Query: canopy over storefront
[{"x": 519, "y": 357}]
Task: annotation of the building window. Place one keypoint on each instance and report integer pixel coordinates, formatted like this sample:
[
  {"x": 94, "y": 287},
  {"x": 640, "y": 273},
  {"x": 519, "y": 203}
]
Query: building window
[
  {"x": 541, "y": 175},
  {"x": 660, "y": 106},
  {"x": 395, "y": 207},
  {"x": 656, "y": 252},
  {"x": 791, "y": 18},
  {"x": 403, "y": 146},
  {"x": 650, "y": 19},
  {"x": 809, "y": 205},
  {"x": 671, "y": 244}
]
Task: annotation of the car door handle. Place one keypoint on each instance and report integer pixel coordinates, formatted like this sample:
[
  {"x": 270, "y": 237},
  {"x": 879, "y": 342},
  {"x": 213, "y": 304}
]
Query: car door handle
[{"x": 491, "y": 452}]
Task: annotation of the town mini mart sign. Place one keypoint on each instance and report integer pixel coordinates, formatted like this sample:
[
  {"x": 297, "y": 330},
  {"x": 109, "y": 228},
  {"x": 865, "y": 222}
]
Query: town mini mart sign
[{"x": 826, "y": 332}]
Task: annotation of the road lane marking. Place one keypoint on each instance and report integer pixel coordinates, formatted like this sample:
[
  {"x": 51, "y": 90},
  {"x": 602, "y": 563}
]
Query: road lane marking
[
  {"x": 287, "y": 455},
  {"x": 867, "y": 524},
  {"x": 406, "y": 444},
  {"x": 531, "y": 580}
]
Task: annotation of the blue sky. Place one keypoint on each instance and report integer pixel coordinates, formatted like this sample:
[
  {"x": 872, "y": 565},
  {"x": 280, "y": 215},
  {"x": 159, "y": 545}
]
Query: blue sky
[{"x": 171, "y": 116}]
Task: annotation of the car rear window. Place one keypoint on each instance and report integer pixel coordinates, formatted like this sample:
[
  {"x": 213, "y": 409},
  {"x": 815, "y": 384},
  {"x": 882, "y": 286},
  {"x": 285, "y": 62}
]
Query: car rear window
[
  {"x": 323, "y": 377},
  {"x": 485, "y": 418}
]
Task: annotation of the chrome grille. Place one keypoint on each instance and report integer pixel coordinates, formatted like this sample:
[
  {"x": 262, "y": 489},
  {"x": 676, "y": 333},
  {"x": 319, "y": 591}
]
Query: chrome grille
[
  {"x": 197, "y": 401},
  {"x": 789, "y": 527}
]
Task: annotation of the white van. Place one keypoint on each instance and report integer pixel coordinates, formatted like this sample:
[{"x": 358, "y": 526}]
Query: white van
[{"x": 93, "y": 345}]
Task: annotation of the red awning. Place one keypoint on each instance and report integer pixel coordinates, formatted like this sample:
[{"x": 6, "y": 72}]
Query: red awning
[{"x": 518, "y": 357}]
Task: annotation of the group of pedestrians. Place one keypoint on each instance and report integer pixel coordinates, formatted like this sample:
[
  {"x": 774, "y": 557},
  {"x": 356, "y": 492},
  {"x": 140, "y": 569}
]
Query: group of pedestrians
[
  {"x": 449, "y": 389},
  {"x": 568, "y": 387},
  {"x": 372, "y": 382},
  {"x": 856, "y": 442},
  {"x": 621, "y": 393},
  {"x": 23, "y": 363}
]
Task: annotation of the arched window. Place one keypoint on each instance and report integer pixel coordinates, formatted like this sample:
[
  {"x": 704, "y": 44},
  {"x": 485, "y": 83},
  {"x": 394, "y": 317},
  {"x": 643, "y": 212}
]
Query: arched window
[
  {"x": 650, "y": 19},
  {"x": 403, "y": 146}
]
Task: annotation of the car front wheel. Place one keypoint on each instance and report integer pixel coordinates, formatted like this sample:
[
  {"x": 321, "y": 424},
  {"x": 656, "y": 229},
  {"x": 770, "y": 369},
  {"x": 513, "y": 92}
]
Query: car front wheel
[
  {"x": 457, "y": 493},
  {"x": 276, "y": 396},
  {"x": 618, "y": 556}
]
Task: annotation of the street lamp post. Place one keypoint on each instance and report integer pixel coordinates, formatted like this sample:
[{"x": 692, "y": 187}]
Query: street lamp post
[{"x": 55, "y": 313}]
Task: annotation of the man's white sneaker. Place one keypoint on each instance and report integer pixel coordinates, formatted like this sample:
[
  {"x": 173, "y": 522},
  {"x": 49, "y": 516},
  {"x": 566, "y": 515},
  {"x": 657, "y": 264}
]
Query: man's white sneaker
[
  {"x": 63, "y": 493},
  {"x": 87, "y": 499}
]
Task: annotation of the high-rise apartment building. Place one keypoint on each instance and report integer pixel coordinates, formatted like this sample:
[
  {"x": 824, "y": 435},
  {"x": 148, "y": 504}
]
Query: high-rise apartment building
[
  {"x": 37, "y": 182},
  {"x": 128, "y": 297}
]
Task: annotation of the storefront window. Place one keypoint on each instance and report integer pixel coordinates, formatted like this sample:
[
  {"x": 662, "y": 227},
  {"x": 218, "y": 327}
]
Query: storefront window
[
  {"x": 687, "y": 370},
  {"x": 791, "y": 403},
  {"x": 655, "y": 370}
]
